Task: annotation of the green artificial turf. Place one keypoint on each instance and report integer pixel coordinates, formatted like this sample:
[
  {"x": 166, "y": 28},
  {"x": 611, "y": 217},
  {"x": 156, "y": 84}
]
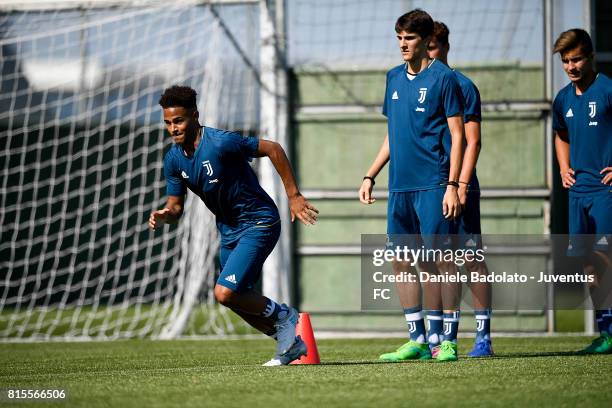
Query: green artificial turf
[{"x": 227, "y": 373}]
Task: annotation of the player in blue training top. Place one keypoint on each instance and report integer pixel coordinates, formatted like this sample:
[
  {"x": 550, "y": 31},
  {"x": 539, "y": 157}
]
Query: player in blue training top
[
  {"x": 582, "y": 119},
  {"x": 214, "y": 165},
  {"x": 468, "y": 222},
  {"x": 424, "y": 106}
]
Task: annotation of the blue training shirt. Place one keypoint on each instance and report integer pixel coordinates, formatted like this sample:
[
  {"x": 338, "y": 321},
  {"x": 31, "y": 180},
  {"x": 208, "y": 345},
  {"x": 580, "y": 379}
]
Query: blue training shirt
[
  {"x": 416, "y": 111},
  {"x": 472, "y": 111},
  {"x": 220, "y": 174},
  {"x": 588, "y": 120}
]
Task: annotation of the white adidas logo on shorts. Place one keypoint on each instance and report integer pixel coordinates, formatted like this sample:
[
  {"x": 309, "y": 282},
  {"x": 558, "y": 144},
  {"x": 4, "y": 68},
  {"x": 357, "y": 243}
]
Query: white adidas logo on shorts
[
  {"x": 231, "y": 278},
  {"x": 470, "y": 243}
]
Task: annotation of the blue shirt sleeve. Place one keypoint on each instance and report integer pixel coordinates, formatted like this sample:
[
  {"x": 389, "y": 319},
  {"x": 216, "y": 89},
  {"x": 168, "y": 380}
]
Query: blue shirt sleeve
[
  {"x": 471, "y": 98},
  {"x": 558, "y": 119},
  {"x": 174, "y": 184},
  {"x": 244, "y": 146},
  {"x": 452, "y": 97}
]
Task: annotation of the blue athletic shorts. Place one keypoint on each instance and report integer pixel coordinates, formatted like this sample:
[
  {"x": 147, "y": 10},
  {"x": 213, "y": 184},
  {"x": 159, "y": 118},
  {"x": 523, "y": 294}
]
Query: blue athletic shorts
[
  {"x": 468, "y": 224},
  {"x": 242, "y": 260},
  {"x": 418, "y": 213},
  {"x": 590, "y": 223}
]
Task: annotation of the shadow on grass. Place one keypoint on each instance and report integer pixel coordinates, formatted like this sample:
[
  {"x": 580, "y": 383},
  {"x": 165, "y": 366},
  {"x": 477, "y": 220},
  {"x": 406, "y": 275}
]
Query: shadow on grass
[
  {"x": 495, "y": 357},
  {"x": 538, "y": 354},
  {"x": 370, "y": 362}
]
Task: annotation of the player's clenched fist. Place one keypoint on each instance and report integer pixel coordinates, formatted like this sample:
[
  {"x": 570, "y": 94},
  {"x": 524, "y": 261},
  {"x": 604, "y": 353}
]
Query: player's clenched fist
[{"x": 158, "y": 217}]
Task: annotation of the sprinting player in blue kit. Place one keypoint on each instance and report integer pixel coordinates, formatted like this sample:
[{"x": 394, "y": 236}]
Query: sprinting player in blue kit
[
  {"x": 424, "y": 106},
  {"x": 582, "y": 119},
  {"x": 468, "y": 228},
  {"x": 214, "y": 165}
]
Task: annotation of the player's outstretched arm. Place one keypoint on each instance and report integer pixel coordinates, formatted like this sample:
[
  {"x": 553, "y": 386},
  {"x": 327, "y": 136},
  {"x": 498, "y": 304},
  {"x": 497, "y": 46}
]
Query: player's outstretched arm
[
  {"x": 562, "y": 148},
  {"x": 300, "y": 207},
  {"x": 382, "y": 158},
  {"x": 170, "y": 214},
  {"x": 451, "y": 208}
]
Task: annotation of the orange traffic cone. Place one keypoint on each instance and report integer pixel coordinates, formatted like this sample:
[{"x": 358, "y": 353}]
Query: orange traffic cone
[{"x": 304, "y": 329}]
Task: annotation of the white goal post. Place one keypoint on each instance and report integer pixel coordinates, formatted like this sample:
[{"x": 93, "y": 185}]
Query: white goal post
[{"x": 82, "y": 146}]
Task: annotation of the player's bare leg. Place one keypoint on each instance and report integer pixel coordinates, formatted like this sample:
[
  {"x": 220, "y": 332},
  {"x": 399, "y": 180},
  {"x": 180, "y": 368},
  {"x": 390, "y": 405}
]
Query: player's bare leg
[
  {"x": 599, "y": 266},
  {"x": 260, "y": 323},
  {"x": 481, "y": 291},
  {"x": 289, "y": 347},
  {"x": 409, "y": 293}
]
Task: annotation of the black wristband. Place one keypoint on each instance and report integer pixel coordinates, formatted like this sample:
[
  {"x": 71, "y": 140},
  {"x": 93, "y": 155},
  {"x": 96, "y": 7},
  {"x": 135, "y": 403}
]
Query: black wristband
[
  {"x": 369, "y": 178},
  {"x": 452, "y": 183}
]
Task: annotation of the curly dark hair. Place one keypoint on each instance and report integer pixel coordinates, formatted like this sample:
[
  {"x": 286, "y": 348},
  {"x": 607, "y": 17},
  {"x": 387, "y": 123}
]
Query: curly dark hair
[
  {"x": 178, "y": 95},
  {"x": 416, "y": 21}
]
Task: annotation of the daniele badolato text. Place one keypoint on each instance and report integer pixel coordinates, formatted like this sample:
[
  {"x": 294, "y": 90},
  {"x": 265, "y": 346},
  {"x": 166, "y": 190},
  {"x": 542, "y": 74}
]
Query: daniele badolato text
[
  {"x": 458, "y": 257},
  {"x": 475, "y": 277}
]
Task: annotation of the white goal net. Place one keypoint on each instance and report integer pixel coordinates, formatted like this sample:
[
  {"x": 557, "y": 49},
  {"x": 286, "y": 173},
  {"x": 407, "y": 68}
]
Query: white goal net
[{"x": 82, "y": 146}]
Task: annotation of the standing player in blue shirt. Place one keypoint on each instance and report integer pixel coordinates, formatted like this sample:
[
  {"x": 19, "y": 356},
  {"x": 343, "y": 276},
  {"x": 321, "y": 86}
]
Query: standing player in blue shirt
[
  {"x": 582, "y": 119},
  {"x": 424, "y": 106},
  {"x": 214, "y": 165},
  {"x": 469, "y": 221}
]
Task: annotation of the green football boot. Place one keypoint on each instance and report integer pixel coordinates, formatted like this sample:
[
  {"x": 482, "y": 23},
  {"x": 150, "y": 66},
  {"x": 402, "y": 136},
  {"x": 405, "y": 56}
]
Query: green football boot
[
  {"x": 601, "y": 345},
  {"x": 409, "y": 351},
  {"x": 448, "y": 351}
]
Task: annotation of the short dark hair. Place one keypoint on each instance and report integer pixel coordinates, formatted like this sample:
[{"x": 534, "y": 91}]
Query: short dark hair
[
  {"x": 178, "y": 95},
  {"x": 570, "y": 39},
  {"x": 415, "y": 21},
  {"x": 440, "y": 32}
]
